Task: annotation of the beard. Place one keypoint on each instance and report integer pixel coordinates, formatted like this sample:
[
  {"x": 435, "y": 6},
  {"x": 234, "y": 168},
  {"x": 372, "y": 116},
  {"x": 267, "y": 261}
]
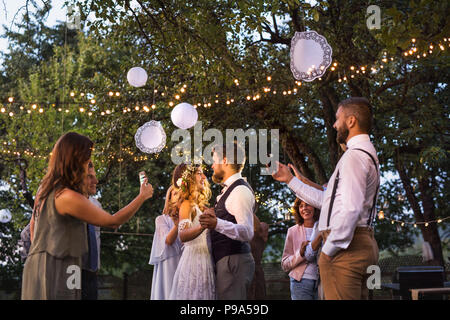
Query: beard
[
  {"x": 342, "y": 134},
  {"x": 218, "y": 176}
]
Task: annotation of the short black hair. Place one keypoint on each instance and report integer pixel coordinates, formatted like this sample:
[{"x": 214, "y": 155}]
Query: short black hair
[{"x": 360, "y": 108}]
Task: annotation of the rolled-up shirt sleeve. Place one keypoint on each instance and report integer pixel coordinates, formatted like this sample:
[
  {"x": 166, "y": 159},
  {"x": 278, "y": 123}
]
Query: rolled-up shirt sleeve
[
  {"x": 307, "y": 193},
  {"x": 240, "y": 204},
  {"x": 349, "y": 208}
]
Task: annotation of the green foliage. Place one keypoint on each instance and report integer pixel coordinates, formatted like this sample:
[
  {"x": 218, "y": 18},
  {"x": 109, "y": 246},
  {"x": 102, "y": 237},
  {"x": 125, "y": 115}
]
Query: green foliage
[{"x": 207, "y": 45}]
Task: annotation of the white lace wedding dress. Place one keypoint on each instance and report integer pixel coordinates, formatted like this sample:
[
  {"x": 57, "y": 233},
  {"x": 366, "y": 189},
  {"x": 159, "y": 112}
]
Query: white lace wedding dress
[{"x": 194, "y": 278}]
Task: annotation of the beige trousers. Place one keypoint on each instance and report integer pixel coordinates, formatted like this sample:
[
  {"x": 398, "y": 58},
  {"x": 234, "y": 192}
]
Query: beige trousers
[{"x": 344, "y": 276}]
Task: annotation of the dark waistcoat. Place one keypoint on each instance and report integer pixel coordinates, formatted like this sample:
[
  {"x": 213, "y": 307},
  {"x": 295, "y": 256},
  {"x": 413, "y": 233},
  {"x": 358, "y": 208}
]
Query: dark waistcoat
[{"x": 222, "y": 245}]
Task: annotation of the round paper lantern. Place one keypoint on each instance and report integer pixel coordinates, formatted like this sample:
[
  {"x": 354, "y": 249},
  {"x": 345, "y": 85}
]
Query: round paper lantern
[
  {"x": 184, "y": 115},
  {"x": 310, "y": 55},
  {"x": 5, "y": 216},
  {"x": 137, "y": 77},
  {"x": 150, "y": 138}
]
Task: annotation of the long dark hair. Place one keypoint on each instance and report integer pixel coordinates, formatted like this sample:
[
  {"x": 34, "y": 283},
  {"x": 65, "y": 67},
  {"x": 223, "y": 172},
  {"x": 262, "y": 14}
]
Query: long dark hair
[
  {"x": 296, "y": 212},
  {"x": 66, "y": 166}
]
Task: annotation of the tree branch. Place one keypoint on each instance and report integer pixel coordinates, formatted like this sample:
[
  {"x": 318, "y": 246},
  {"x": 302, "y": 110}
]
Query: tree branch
[
  {"x": 149, "y": 42},
  {"x": 388, "y": 85}
]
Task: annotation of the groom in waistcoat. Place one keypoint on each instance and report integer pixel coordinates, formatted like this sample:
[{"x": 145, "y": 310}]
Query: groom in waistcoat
[{"x": 231, "y": 224}]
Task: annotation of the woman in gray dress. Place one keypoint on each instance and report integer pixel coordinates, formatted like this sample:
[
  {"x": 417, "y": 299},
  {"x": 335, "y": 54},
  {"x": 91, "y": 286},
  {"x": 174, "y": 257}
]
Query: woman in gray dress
[{"x": 58, "y": 224}]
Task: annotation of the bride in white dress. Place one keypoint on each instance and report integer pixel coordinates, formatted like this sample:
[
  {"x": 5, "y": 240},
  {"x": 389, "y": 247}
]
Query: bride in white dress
[{"x": 194, "y": 278}]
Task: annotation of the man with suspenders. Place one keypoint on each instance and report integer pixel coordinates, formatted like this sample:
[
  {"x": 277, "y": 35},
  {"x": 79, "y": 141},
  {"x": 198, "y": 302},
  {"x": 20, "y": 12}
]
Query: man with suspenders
[{"x": 347, "y": 206}]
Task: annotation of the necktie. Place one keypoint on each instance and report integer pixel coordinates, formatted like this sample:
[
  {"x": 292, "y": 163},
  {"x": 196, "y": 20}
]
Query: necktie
[{"x": 93, "y": 253}]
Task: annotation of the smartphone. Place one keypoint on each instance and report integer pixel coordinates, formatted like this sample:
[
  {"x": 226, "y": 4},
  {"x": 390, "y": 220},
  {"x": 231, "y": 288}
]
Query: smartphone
[{"x": 142, "y": 177}]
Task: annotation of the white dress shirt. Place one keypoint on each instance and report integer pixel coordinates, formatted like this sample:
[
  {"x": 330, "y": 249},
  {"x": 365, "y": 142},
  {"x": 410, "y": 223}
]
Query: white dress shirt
[
  {"x": 240, "y": 204},
  {"x": 358, "y": 180}
]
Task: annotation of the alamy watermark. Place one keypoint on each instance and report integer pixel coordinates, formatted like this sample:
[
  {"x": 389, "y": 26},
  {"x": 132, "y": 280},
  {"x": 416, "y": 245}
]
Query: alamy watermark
[
  {"x": 258, "y": 141},
  {"x": 74, "y": 280},
  {"x": 374, "y": 19},
  {"x": 73, "y": 18},
  {"x": 374, "y": 280}
]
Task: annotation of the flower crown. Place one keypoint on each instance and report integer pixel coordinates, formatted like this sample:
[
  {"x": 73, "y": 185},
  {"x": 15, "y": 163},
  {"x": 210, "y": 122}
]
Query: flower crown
[{"x": 183, "y": 181}]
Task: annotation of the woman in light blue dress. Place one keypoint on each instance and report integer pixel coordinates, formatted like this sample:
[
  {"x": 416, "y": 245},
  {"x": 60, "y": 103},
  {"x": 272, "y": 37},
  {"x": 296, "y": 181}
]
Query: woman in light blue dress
[{"x": 166, "y": 250}]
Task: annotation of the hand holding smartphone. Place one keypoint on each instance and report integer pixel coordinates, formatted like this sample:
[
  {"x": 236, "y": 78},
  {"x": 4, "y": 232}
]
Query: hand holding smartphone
[
  {"x": 142, "y": 177},
  {"x": 146, "y": 188}
]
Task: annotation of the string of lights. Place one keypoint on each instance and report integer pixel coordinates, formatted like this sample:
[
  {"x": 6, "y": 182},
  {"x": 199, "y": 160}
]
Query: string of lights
[
  {"x": 101, "y": 155},
  {"x": 414, "y": 224},
  {"x": 89, "y": 105}
]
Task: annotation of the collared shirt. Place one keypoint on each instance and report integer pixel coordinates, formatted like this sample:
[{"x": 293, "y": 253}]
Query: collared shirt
[
  {"x": 239, "y": 203},
  {"x": 358, "y": 179}
]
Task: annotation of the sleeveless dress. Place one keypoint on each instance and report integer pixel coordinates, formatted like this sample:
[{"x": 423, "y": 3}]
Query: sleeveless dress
[
  {"x": 194, "y": 278},
  {"x": 53, "y": 266}
]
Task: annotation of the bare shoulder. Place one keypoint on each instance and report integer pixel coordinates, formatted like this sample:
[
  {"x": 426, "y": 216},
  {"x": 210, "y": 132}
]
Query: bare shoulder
[
  {"x": 66, "y": 199},
  {"x": 67, "y": 194},
  {"x": 185, "y": 209},
  {"x": 186, "y": 204}
]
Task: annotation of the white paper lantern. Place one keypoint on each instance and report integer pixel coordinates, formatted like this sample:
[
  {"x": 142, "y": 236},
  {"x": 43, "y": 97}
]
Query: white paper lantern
[
  {"x": 311, "y": 55},
  {"x": 184, "y": 115},
  {"x": 150, "y": 138},
  {"x": 137, "y": 77},
  {"x": 5, "y": 216}
]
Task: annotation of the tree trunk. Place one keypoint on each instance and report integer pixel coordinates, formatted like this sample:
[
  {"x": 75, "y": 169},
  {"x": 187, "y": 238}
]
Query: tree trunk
[
  {"x": 289, "y": 144},
  {"x": 329, "y": 116},
  {"x": 23, "y": 181},
  {"x": 430, "y": 233}
]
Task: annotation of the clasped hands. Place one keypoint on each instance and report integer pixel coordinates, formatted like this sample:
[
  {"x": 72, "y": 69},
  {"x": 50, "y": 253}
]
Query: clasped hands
[{"x": 208, "y": 219}]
